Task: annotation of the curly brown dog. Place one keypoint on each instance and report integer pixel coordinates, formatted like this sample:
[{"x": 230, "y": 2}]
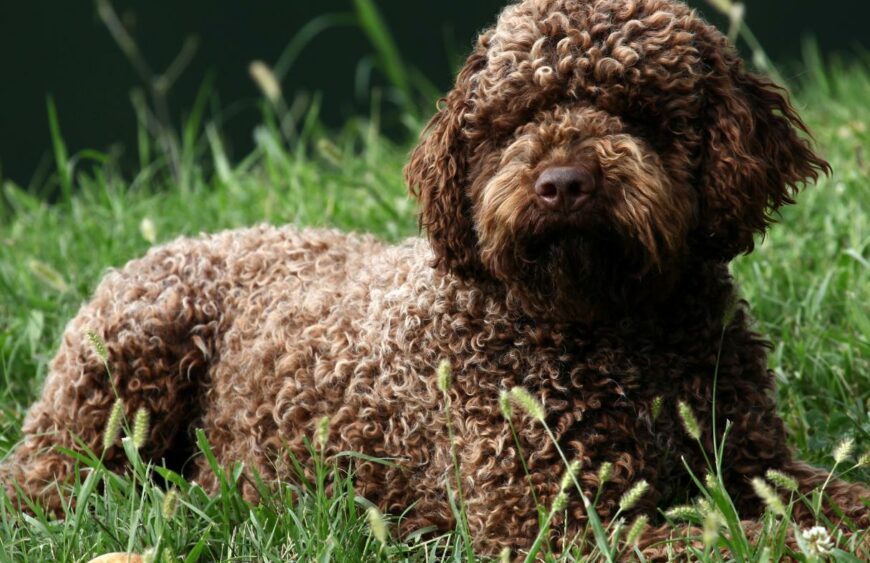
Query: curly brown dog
[{"x": 583, "y": 188}]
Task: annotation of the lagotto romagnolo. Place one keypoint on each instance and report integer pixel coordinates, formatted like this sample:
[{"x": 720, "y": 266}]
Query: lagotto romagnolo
[{"x": 582, "y": 189}]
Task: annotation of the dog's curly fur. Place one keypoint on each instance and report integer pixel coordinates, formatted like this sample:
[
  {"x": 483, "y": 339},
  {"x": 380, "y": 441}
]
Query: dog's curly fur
[{"x": 255, "y": 334}]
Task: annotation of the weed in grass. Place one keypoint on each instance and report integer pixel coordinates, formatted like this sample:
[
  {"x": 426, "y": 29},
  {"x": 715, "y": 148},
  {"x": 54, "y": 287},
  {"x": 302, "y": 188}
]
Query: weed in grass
[
  {"x": 632, "y": 496},
  {"x": 818, "y": 541},
  {"x": 141, "y": 426},
  {"x": 769, "y": 496},
  {"x": 113, "y": 424},
  {"x": 782, "y": 480}
]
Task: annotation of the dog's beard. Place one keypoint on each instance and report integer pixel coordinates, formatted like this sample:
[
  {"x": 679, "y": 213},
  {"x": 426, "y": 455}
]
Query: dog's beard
[{"x": 571, "y": 274}]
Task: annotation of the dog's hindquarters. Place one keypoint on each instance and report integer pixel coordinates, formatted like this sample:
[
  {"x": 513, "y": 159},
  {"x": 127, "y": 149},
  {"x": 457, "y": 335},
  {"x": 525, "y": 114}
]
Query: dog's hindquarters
[{"x": 159, "y": 318}]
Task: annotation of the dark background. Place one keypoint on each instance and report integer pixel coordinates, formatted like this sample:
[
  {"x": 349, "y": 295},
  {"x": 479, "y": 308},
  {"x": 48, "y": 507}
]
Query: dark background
[{"x": 61, "y": 48}]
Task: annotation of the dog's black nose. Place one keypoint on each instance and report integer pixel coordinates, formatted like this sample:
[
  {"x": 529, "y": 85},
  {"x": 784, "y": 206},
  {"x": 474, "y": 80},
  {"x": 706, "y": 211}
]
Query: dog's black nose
[{"x": 565, "y": 187}]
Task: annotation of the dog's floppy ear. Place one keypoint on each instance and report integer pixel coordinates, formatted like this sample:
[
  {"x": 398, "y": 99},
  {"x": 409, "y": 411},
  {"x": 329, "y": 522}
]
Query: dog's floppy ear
[
  {"x": 752, "y": 159},
  {"x": 436, "y": 175}
]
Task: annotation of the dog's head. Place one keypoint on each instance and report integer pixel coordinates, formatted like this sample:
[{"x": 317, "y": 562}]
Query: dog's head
[{"x": 600, "y": 141}]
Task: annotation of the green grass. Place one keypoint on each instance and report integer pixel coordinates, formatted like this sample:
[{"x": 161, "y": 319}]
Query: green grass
[{"x": 809, "y": 285}]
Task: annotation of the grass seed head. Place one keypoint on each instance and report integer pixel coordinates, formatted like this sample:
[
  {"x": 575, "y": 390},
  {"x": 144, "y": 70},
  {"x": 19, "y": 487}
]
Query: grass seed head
[
  {"x": 569, "y": 475},
  {"x": 636, "y": 530},
  {"x": 505, "y": 555},
  {"x": 864, "y": 460},
  {"x": 711, "y": 482},
  {"x": 682, "y": 512},
  {"x": 97, "y": 344},
  {"x": 843, "y": 450},
  {"x": 712, "y": 524},
  {"x": 141, "y": 426},
  {"x": 766, "y": 493},
  {"x": 559, "y": 503},
  {"x": 322, "y": 435},
  {"x": 48, "y": 275},
  {"x": 113, "y": 424},
  {"x": 605, "y": 472},
  {"x": 330, "y": 152},
  {"x": 377, "y": 524},
  {"x": 528, "y": 403},
  {"x": 265, "y": 80},
  {"x": 170, "y": 504},
  {"x": 444, "y": 376},
  {"x": 690, "y": 423},
  {"x": 504, "y": 403},
  {"x": 656, "y": 408},
  {"x": 148, "y": 230},
  {"x": 782, "y": 480},
  {"x": 634, "y": 494}
]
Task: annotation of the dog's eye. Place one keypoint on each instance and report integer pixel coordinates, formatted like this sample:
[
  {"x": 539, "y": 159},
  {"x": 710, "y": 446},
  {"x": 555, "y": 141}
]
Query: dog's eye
[
  {"x": 652, "y": 134},
  {"x": 636, "y": 128}
]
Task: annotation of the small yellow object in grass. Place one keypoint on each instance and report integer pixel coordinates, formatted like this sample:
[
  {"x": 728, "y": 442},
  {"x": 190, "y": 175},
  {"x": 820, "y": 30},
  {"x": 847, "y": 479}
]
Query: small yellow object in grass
[
  {"x": 377, "y": 524},
  {"x": 329, "y": 151},
  {"x": 528, "y": 403},
  {"x": 113, "y": 424},
  {"x": 766, "y": 493},
  {"x": 322, "y": 436},
  {"x": 170, "y": 504},
  {"x": 559, "y": 503},
  {"x": 605, "y": 472},
  {"x": 148, "y": 230},
  {"x": 656, "y": 408},
  {"x": 782, "y": 480},
  {"x": 141, "y": 426},
  {"x": 504, "y": 403},
  {"x": 570, "y": 474},
  {"x": 48, "y": 275},
  {"x": 97, "y": 344},
  {"x": 711, "y": 482},
  {"x": 690, "y": 423},
  {"x": 118, "y": 557},
  {"x": 634, "y": 494},
  {"x": 682, "y": 512},
  {"x": 444, "y": 376},
  {"x": 712, "y": 523},
  {"x": 265, "y": 80},
  {"x": 636, "y": 529},
  {"x": 843, "y": 450}
]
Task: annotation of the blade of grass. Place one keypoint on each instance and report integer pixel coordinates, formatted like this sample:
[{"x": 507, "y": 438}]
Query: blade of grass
[
  {"x": 61, "y": 159},
  {"x": 376, "y": 29}
]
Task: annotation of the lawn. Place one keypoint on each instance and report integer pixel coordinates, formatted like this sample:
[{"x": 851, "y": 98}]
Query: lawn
[{"x": 808, "y": 283}]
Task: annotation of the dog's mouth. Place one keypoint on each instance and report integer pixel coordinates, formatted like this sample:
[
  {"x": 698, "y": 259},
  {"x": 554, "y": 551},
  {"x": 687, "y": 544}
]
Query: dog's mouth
[
  {"x": 578, "y": 250},
  {"x": 586, "y": 216},
  {"x": 565, "y": 272},
  {"x": 567, "y": 242}
]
